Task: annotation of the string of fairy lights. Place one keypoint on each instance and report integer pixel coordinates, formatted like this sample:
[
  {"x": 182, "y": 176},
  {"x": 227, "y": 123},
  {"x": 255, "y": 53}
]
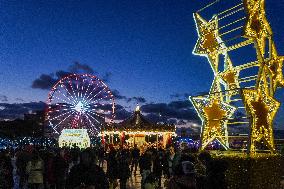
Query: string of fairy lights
[{"x": 216, "y": 110}]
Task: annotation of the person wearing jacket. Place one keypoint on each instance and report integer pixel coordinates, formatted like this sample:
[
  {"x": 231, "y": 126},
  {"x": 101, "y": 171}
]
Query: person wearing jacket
[
  {"x": 158, "y": 166},
  {"x": 183, "y": 176},
  {"x": 60, "y": 168},
  {"x": 145, "y": 166},
  {"x": 87, "y": 174},
  {"x": 135, "y": 154},
  {"x": 35, "y": 170},
  {"x": 6, "y": 171},
  {"x": 123, "y": 167},
  {"x": 112, "y": 167}
]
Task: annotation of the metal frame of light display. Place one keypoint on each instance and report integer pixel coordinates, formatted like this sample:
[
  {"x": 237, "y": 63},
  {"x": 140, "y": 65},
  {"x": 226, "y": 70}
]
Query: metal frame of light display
[{"x": 216, "y": 109}]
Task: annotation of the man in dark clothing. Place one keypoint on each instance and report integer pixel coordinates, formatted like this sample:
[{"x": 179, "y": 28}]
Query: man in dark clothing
[
  {"x": 183, "y": 176},
  {"x": 6, "y": 171},
  {"x": 101, "y": 156},
  {"x": 158, "y": 165},
  {"x": 23, "y": 157},
  {"x": 145, "y": 166},
  {"x": 123, "y": 168},
  {"x": 87, "y": 174},
  {"x": 112, "y": 167},
  {"x": 60, "y": 168},
  {"x": 135, "y": 153}
]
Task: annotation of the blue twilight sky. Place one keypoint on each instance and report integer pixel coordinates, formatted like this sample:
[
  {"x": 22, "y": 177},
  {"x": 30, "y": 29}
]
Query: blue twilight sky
[{"x": 146, "y": 45}]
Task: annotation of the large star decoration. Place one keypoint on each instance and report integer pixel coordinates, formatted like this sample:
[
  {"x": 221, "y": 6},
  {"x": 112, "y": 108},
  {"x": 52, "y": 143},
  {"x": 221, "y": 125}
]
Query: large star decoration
[
  {"x": 262, "y": 107},
  {"x": 230, "y": 78},
  {"x": 214, "y": 114},
  {"x": 209, "y": 43},
  {"x": 257, "y": 26},
  {"x": 275, "y": 64}
]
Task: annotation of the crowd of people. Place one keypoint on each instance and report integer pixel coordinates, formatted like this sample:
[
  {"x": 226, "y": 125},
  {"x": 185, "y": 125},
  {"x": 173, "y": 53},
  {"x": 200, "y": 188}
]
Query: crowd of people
[{"x": 109, "y": 168}]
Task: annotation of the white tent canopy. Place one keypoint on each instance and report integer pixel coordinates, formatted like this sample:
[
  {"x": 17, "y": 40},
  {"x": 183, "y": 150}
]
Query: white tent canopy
[{"x": 74, "y": 137}]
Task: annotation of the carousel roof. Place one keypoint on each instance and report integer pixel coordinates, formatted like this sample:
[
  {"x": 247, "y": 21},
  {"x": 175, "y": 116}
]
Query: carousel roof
[{"x": 138, "y": 122}]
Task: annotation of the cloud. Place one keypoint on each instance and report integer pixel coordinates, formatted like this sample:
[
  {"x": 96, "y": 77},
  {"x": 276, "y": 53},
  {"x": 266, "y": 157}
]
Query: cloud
[
  {"x": 106, "y": 77},
  {"x": 3, "y": 98},
  {"x": 17, "y": 110},
  {"x": 47, "y": 81},
  {"x": 122, "y": 114},
  {"x": 172, "y": 121},
  {"x": 156, "y": 118},
  {"x": 77, "y": 67},
  {"x": 118, "y": 96},
  {"x": 180, "y": 95},
  {"x": 202, "y": 93},
  {"x": 137, "y": 99},
  {"x": 180, "y": 104},
  {"x": 19, "y": 99},
  {"x": 108, "y": 107},
  {"x": 60, "y": 74},
  {"x": 44, "y": 82},
  {"x": 181, "y": 122},
  {"x": 175, "y": 109}
]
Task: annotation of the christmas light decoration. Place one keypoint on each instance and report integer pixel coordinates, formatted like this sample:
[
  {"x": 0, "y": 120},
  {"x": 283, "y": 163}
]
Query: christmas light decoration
[
  {"x": 209, "y": 43},
  {"x": 74, "y": 137},
  {"x": 230, "y": 77},
  {"x": 255, "y": 93},
  {"x": 257, "y": 26},
  {"x": 214, "y": 114},
  {"x": 79, "y": 102},
  {"x": 137, "y": 129},
  {"x": 275, "y": 64},
  {"x": 263, "y": 108}
]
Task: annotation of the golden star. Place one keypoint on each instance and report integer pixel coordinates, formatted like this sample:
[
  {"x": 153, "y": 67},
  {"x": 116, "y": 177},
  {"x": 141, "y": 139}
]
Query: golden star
[
  {"x": 262, "y": 107},
  {"x": 257, "y": 26},
  {"x": 214, "y": 114},
  {"x": 275, "y": 64},
  {"x": 209, "y": 43},
  {"x": 215, "y": 90},
  {"x": 230, "y": 78}
]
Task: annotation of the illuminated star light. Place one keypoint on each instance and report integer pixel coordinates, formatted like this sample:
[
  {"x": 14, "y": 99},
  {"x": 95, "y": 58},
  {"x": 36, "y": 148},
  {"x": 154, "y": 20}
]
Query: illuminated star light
[
  {"x": 230, "y": 78},
  {"x": 263, "y": 108},
  {"x": 209, "y": 44},
  {"x": 275, "y": 64},
  {"x": 257, "y": 26},
  {"x": 214, "y": 114}
]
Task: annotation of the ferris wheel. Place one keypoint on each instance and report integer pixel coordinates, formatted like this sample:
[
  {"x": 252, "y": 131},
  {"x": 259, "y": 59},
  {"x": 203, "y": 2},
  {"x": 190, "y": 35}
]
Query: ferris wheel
[{"x": 79, "y": 102}]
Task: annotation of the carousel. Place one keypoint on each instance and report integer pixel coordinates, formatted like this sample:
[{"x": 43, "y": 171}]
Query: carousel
[{"x": 137, "y": 130}]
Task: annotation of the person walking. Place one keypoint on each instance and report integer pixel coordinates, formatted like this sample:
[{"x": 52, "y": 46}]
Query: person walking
[
  {"x": 101, "y": 156},
  {"x": 23, "y": 157},
  {"x": 123, "y": 167},
  {"x": 158, "y": 166},
  {"x": 87, "y": 174},
  {"x": 135, "y": 154},
  {"x": 183, "y": 176},
  {"x": 35, "y": 170},
  {"x": 145, "y": 164},
  {"x": 112, "y": 167},
  {"x": 60, "y": 168},
  {"x": 6, "y": 171}
]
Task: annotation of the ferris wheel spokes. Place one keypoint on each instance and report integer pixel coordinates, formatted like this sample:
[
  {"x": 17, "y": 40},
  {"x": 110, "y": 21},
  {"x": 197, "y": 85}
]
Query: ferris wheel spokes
[{"x": 79, "y": 101}]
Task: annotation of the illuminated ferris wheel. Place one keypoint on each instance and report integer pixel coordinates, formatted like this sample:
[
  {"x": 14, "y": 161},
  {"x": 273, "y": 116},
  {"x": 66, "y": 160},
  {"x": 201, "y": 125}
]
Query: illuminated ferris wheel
[{"x": 79, "y": 102}]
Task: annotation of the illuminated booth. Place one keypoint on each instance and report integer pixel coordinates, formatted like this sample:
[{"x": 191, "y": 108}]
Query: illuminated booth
[
  {"x": 137, "y": 130},
  {"x": 74, "y": 137}
]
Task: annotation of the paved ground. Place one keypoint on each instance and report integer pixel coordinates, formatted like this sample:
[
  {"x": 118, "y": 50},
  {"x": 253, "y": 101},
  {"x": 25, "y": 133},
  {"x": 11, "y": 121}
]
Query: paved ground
[{"x": 134, "y": 182}]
